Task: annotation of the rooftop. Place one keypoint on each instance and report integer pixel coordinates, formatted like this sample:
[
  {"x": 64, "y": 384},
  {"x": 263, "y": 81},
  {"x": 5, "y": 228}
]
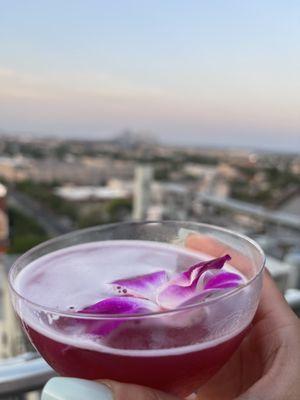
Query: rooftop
[{"x": 81, "y": 193}]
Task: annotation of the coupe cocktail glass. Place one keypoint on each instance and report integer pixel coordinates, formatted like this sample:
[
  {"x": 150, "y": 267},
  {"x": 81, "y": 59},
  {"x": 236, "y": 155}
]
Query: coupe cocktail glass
[{"x": 175, "y": 350}]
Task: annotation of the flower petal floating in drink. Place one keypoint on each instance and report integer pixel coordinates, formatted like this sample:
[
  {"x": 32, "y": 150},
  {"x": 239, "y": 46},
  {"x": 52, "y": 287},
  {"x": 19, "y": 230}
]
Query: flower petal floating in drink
[
  {"x": 185, "y": 286},
  {"x": 117, "y": 305},
  {"x": 144, "y": 286},
  {"x": 223, "y": 280},
  {"x": 155, "y": 292}
]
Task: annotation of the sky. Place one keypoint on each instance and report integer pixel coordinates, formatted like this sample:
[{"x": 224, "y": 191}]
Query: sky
[{"x": 218, "y": 72}]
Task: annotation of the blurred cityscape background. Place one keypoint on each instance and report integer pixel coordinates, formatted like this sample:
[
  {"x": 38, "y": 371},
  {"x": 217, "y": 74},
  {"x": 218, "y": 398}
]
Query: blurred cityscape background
[
  {"x": 51, "y": 186},
  {"x": 216, "y": 83}
]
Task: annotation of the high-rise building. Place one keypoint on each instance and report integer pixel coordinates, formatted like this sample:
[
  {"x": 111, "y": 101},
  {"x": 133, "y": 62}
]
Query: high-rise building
[
  {"x": 12, "y": 340},
  {"x": 142, "y": 190},
  {"x": 11, "y": 337}
]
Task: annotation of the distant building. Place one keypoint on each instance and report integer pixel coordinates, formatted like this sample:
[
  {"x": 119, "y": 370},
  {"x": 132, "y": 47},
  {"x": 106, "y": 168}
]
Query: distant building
[
  {"x": 14, "y": 168},
  {"x": 91, "y": 193},
  {"x": 220, "y": 187},
  {"x": 142, "y": 191},
  {"x": 3, "y": 219},
  {"x": 169, "y": 201},
  {"x": 212, "y": 180},
  {"x": 77, "y": 170},
  {"x": 155, "y": 213},
  {"x": 129, "y": 140},
  {"x": 12, "y": 338},
  {"x": 199, "y": 171},
  {"x": 292, "y": 204}
]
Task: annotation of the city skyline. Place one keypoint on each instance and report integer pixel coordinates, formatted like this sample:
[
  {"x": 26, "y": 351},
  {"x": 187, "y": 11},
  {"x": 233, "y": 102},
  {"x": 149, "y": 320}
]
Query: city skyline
[{"x": 223, "y": 73}]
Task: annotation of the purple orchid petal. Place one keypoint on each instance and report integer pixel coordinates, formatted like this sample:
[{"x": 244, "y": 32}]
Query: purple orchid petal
[
  {"x": 184, "y": 286},
  {"x": 144, "y": 286},
  {"x": 187, "y": 277},
  {"x": 200, "y": 297},
  {"x": 223, "y": 280},
  {"x": 173, "y": 295},
  {"x": 153, "y": 292},
  {"x": 220, "y": 282},
  {"x": 121, "y": 305},
  {"x": 115, "y": 305}
]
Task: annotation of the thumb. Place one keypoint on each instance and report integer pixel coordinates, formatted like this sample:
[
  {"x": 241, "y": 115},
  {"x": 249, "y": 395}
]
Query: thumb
[{"x": 59, "y": 388}]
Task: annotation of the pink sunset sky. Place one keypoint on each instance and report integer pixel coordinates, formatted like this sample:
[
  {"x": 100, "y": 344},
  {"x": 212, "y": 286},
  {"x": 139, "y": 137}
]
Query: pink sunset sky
[{"x": 220, "y": 73}]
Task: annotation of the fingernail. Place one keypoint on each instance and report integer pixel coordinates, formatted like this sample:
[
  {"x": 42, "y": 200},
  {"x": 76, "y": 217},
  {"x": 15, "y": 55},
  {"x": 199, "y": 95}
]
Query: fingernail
[{"x": 75, "y": 389}]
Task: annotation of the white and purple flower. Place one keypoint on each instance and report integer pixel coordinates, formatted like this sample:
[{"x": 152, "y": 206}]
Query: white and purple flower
[{"x": 156, "y": 292}]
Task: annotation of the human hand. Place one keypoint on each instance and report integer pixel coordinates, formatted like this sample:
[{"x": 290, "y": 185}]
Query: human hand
[{"x": 267, "y": 363}]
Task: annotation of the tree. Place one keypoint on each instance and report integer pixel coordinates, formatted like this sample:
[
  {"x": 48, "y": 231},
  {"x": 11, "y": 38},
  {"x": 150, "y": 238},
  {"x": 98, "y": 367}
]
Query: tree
[{"x": 119, "y": 209}]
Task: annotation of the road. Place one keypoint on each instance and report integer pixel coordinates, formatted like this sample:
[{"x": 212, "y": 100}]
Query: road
[{"x": 50, "y": 222}]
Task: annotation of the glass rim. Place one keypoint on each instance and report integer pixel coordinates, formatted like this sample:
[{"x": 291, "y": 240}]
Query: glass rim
[{"x": 82, "y": 315}]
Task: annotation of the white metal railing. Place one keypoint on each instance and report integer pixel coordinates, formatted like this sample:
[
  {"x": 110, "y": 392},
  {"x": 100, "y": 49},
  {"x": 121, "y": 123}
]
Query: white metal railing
[
  {"x": 23, "y": 374},
  {"x": 275, "y": 217}
]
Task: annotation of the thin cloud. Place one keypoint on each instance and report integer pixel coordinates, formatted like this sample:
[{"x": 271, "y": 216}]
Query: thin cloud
[
  {"x": 80, "y": 103},
  {"x": 22, "y": 85}
]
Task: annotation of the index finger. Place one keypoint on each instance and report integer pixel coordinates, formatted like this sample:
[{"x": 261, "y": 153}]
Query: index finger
[
  {"x": 217, "y": 248},
  {"x": 272, "y": 303}
]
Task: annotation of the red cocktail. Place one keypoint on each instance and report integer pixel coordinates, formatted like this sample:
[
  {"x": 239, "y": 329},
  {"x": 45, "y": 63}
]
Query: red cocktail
[{"x": 63, "y": 291}]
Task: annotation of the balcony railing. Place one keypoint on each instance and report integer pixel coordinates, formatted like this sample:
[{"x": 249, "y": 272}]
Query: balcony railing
[
  {"x": 23, "y": 374},
  {"x": 273, "y": 217}
]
